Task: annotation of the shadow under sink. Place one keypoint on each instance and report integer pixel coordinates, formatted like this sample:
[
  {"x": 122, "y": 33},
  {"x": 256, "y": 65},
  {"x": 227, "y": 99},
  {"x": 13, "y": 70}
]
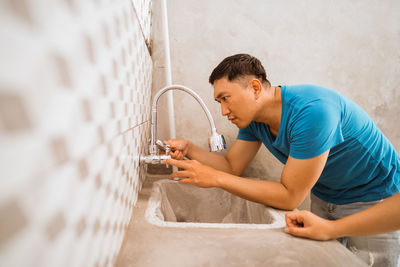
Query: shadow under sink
[{"x": 174, "y": 205}]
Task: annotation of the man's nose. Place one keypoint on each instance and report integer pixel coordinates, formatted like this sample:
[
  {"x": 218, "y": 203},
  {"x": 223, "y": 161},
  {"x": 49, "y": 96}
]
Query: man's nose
[{"x": 224, "y": 109}]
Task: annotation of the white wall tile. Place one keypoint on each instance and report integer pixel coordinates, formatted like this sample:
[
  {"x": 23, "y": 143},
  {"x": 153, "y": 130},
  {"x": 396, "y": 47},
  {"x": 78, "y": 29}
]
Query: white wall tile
[{"x": 75, "y": 79}]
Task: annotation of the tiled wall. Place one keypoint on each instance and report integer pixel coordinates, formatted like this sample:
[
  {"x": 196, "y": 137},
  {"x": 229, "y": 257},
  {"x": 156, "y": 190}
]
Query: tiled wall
[{"x": 75, "y": 79}]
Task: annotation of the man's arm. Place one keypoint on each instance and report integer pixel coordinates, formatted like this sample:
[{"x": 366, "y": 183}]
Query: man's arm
[
  {"x": 380, "y": 218},
  {"x": 298, "y": 177},
  {"x": 234, "y": 161}
]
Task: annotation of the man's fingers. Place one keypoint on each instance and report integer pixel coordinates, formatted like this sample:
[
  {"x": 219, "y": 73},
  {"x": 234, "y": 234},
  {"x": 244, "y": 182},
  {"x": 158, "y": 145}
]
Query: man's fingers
[
  {"x": 179, "y": 174},
  {"x": 179, "y": 155},
  {"x": 297, "y": 231},
  {"x": 174, "y": 154},
  {"x": 288, "y": 219},
  {"x": 173, "y": 143},
  {"x": 293, "y": 219},
  {"x": 295, "y": 224},
  {"x": 167, "y": 142},
  {"x": 185, "y": 181},
  {"x": 290, "y": 222},
  {"x": 178, "y": 163}
]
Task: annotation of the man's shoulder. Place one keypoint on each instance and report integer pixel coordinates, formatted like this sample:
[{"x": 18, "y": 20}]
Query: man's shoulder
[
  {"x": 305, "y": 94},
  {"x": 306, "y": 88}
]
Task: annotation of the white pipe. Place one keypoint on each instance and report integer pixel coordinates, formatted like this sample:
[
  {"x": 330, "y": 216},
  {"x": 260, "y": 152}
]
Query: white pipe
[{"x": 168, "y": 74}]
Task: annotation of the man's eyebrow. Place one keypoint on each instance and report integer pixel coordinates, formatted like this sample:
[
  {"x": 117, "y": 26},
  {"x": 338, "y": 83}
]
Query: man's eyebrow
[{"x": 219, "y": 96}]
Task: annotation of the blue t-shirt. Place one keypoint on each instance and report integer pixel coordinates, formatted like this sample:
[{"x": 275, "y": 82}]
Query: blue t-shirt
[{"x": 362, "y": 164}]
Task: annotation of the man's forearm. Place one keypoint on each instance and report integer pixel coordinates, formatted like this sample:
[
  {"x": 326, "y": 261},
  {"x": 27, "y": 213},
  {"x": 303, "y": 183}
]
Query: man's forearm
[
  {"x": 213, "y": 160},
  {"x": 269, "y": 193},
  {"x": 383, "y": 217}
]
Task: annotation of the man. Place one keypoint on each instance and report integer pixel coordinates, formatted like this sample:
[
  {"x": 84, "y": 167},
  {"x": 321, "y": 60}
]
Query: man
[{"x": 327, "y": 143}]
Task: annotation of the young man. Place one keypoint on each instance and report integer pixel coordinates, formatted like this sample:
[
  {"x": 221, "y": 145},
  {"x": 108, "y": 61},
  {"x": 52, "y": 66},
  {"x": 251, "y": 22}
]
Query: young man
[{"x": 328, "y": 144}]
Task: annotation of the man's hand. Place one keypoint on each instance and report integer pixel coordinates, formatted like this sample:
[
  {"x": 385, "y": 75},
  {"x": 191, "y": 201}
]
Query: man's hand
[
  {"x": 194, "y": 173},
  {"x": 306, "y": 224},
  {"x": 179, "y": 148}
]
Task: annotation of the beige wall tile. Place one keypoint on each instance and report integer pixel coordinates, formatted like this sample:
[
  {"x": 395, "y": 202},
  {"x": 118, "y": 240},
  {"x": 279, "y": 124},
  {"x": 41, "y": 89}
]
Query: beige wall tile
[
  {"x": 12, "y": 220},
  {"x": 13, "y": 112}
]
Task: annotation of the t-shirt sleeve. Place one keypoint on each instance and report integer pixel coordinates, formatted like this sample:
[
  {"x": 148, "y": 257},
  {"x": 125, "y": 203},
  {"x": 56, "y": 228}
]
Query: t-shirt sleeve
[
  {"x": 247, "y": 134},
  {"x": 314, "y": 130}
]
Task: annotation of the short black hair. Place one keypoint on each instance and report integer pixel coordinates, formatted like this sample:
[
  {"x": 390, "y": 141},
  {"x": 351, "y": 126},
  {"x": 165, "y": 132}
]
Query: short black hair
[{"x": 239, "y": 65}]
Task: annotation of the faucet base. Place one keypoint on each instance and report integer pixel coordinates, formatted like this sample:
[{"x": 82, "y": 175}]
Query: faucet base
[{"x": 153, "y": 159}]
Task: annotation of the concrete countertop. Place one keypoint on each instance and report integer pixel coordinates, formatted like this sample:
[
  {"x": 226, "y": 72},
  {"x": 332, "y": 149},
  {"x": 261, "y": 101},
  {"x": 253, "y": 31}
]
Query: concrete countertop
[{"x": 146, "y": 244}]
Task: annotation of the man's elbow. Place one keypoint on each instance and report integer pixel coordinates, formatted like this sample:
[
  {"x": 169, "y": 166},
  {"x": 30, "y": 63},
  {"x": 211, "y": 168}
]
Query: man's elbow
[
  {"x": 290, "y": 204},
  {"x": 232, "y": 169}
]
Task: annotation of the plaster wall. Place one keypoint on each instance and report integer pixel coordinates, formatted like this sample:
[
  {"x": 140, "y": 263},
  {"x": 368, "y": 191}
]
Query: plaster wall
[{"x": 352, "y": 47}]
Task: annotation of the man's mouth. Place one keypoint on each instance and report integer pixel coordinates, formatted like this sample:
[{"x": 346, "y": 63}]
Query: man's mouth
[{"x": 232, "y": 119}]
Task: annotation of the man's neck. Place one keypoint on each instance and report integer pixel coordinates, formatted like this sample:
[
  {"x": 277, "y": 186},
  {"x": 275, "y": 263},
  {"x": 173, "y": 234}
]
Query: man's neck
[{"x": 271, "y": 110}]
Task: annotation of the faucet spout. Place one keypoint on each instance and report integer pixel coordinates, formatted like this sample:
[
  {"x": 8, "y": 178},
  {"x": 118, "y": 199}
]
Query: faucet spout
[{"x": 216, "y": 141}]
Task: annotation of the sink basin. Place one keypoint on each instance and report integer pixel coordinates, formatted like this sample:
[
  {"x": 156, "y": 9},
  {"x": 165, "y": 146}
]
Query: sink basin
[{"x": 175, "y": 205}]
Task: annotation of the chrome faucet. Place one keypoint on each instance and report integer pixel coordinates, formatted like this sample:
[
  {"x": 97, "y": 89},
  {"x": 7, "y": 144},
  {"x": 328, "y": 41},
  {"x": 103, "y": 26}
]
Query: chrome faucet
[{"x": 216, "y": 141}]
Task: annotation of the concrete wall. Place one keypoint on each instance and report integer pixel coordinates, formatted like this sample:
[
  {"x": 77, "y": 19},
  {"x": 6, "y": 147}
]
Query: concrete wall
[
  {"x": 75, "y": 84},
  {"x": 352, "y": 47}
]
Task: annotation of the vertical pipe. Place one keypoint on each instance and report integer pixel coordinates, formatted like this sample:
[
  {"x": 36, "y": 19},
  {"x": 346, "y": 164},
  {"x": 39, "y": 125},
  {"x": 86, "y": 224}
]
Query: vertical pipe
[{"x": 168, "y": 75}]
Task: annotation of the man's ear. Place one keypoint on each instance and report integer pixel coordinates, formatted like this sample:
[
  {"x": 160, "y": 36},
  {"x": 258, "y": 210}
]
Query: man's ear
[{"x": 256, "y": 86}]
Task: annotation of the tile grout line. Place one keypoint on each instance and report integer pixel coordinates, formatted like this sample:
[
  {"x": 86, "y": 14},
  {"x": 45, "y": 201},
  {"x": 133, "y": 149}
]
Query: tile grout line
[{"x": 141, "y": 28}]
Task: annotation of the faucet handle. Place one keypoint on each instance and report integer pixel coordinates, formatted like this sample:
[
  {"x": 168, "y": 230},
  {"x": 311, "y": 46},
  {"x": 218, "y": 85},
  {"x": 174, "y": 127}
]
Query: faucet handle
[{"x": 163, "y": 146}]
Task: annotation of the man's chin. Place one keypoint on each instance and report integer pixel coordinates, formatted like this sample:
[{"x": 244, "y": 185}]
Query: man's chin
[{"x": 241, "y": 125}]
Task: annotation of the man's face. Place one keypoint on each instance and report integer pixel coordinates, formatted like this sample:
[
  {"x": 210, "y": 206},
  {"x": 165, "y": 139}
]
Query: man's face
[{"x": 237, "y": 101}]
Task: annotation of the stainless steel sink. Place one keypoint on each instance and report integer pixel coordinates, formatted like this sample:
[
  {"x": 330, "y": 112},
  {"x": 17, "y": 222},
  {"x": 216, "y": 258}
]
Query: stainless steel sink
[{"x": 175, "y": 205}]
